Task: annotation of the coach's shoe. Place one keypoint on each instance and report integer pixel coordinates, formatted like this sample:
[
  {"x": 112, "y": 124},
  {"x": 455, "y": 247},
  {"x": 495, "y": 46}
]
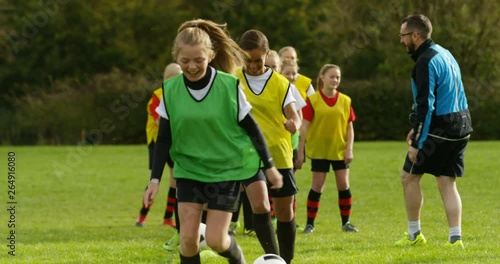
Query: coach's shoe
[
  {"x": 173, "y": 243},
  {"x": 457, "y": 244},
  {"x": 405, "y": 241},
  {"x": 348, "y": 227},
  {"x": 309, "y": 229}
]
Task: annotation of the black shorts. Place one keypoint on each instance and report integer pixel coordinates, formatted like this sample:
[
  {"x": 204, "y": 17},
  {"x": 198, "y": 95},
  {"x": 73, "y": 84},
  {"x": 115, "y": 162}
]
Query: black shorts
[
  {"x": 151, "y": 151},
  {"x": 323, "y": 165},
  {"x": 439, "y": 157},
  {"x": 289, "y": 186},
  {"x": 259, "y": 176},
  {"x": 222, "y": 196}
]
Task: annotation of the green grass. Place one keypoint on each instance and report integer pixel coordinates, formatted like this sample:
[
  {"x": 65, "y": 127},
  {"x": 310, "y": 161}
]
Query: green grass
[{"x": 79, "y": 205}]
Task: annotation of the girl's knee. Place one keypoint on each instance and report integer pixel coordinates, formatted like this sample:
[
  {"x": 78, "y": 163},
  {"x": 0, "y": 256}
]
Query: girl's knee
[
  {"x": 318, "y": 187},
  {"x": 190, "y": 242},
  {"x": 261, "y": 208},
  {"x": 218, "y": 245}
]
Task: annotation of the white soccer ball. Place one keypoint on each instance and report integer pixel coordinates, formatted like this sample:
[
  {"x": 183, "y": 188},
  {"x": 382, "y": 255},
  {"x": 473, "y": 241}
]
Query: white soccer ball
[
  {"x": 269, "y": 259},
  {"x": 203, "y": 241}
]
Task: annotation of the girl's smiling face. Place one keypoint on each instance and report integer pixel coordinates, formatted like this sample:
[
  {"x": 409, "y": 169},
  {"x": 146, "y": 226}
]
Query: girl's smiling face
[
  {"x": 254, "y": 64},
  {"x": 193, "y": 61}
]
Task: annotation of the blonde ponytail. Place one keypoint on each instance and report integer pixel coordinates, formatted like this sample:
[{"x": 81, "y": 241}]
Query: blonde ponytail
[{"x": 224, "y": 52}]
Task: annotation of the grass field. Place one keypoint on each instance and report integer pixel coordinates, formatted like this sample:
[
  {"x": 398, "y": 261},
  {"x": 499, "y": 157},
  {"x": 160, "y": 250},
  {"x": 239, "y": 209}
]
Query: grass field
[{"x": 79, "y": 205}]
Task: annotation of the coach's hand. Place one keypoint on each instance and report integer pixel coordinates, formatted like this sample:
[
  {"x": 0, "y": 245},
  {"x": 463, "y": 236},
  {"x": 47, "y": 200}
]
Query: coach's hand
[
  {"x": 412, "y": 154},
  {"x": 409, "y": 137},
  {"x": 150, "y": 194},
  {"x": 274, "y": 177}
]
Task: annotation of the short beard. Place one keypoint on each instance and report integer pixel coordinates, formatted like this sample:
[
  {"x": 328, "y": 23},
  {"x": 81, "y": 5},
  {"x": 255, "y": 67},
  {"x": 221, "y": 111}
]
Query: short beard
[{"x": 411, "y": 48}]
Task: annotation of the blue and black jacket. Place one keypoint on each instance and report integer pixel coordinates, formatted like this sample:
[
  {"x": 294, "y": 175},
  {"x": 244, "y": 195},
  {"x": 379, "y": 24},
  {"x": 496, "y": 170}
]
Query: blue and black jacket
[{"x": 440, "y": 106}]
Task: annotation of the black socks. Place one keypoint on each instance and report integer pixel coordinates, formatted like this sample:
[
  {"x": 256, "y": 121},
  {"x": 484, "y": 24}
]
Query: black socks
[{"x": 265, "y": 232}]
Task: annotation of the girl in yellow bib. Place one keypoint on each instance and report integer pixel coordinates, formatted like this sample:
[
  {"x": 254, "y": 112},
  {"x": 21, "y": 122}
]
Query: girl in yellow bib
[
  {"x": 273, "y": 107},
  {"x": 302, "y": 82},
  {"x": 328, "y": 132},
  {"x": 171, "y": 70}
]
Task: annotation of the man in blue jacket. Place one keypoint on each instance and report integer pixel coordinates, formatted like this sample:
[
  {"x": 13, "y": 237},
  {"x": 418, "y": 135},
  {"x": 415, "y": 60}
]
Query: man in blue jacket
[{"x": 441, "y": 129}]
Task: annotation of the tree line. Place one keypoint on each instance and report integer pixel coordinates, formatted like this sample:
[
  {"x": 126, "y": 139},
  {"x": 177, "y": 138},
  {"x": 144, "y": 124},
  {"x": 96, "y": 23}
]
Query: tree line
[{"x": 75, "y": 70}]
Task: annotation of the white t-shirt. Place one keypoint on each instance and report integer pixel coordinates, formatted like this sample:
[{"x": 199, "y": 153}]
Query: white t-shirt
[
  {"x": 243, "y": 105},
  {"x": 310, "y": 90},
  {"x": 257, "y": 84},
  {"x": 300, "y": 103}
]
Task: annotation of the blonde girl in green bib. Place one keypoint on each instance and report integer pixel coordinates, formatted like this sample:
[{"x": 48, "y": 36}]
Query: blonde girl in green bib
[{"x": 208, "y": 133}]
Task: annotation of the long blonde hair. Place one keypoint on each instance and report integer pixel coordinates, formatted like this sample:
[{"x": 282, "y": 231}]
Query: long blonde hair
[
  {"x": 326, "y": 67},
  {"x": 225, "y": 54}
]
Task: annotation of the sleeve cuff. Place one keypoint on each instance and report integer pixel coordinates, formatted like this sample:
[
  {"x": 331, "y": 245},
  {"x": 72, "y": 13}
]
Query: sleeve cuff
[
  {"x": 154, "y": 180},
  {"x": 268, "y": 164}
]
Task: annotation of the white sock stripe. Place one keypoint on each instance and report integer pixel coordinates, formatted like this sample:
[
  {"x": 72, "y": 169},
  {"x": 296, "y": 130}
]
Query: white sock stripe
[{"x": 455, "y": 231}]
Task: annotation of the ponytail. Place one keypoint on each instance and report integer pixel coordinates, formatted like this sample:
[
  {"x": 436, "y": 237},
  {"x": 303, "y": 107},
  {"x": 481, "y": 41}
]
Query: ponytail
[{"x": 225, "y": 53}]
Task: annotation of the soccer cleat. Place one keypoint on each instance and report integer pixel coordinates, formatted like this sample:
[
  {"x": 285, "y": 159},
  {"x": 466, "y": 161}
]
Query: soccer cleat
[
  {"x": 299, "y": 228},
  {"x": 457, "y": 244},
  {"x": 232, "y": 228},
  {"x": 405, "y": 241},
  {"x": 173, "y": 243},
  {"x": 169, "y": 222},
  {"x": 308, "y": 229},
  {"x": 348, "y": 227},
  {"x": 249, "y": 232}
]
